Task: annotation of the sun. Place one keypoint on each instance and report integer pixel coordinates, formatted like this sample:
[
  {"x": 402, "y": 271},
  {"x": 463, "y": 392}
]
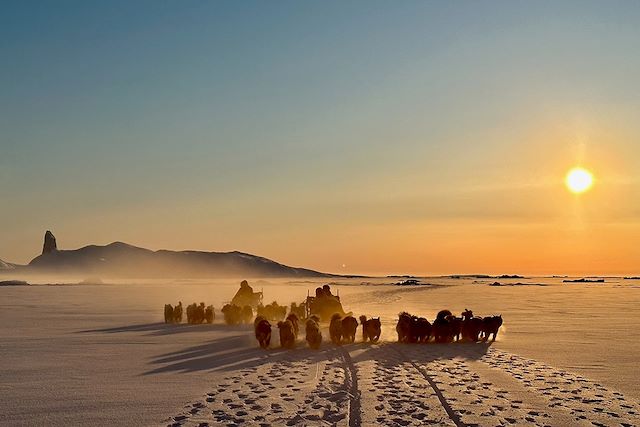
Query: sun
[{"x": 579, "y": 180}]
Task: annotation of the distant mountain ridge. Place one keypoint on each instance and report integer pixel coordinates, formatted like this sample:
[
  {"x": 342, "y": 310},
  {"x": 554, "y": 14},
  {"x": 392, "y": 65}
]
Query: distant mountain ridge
[{"x": 120, "y": 259}]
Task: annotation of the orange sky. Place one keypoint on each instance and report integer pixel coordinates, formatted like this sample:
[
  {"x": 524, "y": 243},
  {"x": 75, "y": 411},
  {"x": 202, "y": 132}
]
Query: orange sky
[{"x": 420, "y": 138}]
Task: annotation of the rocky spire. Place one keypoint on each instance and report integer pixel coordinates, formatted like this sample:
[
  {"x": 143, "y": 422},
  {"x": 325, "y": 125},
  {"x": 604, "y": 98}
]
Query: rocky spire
[{"x": 49, "y": 243}]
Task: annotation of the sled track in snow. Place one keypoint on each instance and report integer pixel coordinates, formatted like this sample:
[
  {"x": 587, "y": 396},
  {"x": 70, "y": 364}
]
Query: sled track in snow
[
  {"x": 443, "y": 401},
  {"x": 351, "y": 385}
]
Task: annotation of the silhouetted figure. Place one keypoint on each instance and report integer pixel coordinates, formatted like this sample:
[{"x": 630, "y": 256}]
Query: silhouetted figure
[
  {"x": 327, "y": 291},
  {"x": 246, "y": 296},
  {"x": 243, "y": 294},
  {"x": 325, "y": 304},
  {"x": 245, "y": 289}
]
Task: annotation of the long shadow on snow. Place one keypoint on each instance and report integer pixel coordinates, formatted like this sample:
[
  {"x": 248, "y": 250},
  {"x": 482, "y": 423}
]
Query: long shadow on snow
[
  {"x": 418, "y": 353},
  {"x": 159, "y": 328},
  {"x": 232, "y": 353},
  {"x": 240, "y": 352}
]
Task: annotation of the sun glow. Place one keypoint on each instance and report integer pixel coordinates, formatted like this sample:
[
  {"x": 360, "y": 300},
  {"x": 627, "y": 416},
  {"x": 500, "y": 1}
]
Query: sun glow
[{"x": 579, "y": 180}]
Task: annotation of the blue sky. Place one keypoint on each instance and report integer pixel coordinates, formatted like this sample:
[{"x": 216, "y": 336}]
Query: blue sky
[{"x": 261, "y": 125}]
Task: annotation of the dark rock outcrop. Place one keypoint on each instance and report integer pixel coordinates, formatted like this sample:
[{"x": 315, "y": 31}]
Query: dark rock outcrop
[
  {"x": 583, "y": 280},
  {"x": 14, "y": 283},
  {"x": 49, "y": 243},
  {"x": 122, "y": 260}
]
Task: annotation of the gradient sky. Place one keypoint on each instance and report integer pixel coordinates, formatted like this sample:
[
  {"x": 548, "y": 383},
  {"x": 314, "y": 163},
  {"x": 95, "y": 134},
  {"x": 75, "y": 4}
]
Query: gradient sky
[{"x": 351, "y": 137}]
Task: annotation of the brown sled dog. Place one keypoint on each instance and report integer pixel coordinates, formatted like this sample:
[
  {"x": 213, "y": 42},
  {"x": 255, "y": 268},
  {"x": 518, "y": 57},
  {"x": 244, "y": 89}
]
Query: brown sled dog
[
  {"x": 349, "y": 328},
  {"x": 287, "y": 337},
  {"x": 312, "y": 329},
  {"x": 335, "y": 329},
  {"x": 262, "y": 329},
  {"x": 371, "y": 329}
]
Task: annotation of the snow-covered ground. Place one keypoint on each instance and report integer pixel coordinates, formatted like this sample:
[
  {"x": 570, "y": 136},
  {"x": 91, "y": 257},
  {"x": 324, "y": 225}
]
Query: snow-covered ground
[{"x": 99, "y": 355}]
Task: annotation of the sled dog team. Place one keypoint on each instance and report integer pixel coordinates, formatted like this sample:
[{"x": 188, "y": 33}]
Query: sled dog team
[
  {"x": 341, "y": 330},
  {"x": 445, "y": 328}
]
